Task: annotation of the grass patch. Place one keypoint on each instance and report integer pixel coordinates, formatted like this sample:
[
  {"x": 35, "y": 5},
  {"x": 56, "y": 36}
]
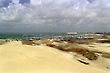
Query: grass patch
[
  {"x": 3, "y": 42},
  {"x": 106, "y": 55},
  {"x": 79, "y": 41},
  {"x": 28, "y": 42},
  {"x": 74, "y": 48}
]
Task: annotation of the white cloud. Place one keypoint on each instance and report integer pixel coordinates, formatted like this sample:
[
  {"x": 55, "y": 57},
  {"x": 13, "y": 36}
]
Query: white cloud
[
  {"x": 62, "y": 15},
  {"x": 15, "y": 1},
  {"x": 36, "y": 2}
]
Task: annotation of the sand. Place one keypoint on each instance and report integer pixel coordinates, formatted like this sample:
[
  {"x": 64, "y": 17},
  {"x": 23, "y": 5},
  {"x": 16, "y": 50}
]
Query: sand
[
  {"x": 102, "y": 47},
  {"x": 102, "y": 63},
  {"x": 18, "y": 58}
]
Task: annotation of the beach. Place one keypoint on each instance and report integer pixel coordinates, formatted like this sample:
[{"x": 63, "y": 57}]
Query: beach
[
  {"x": 54, "y": 36},
  {"x": 18, "y": 58}
]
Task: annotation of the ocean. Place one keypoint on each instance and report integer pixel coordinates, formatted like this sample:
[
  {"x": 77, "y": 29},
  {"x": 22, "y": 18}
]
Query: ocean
[{"x": 28, "y": 35}]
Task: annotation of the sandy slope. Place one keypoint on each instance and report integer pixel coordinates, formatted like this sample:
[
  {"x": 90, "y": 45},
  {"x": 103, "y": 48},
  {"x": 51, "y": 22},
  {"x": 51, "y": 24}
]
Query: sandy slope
[
  {"x": 102, "y": 47},
  {"x": 18, "y": 58}
]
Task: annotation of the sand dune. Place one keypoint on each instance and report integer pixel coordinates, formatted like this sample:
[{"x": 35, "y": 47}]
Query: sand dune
[{"x": 18, "y": 58}]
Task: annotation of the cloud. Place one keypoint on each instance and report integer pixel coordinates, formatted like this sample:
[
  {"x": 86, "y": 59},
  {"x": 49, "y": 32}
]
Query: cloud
[
  {"x": 1, "y": 4},
  {"x": 58, "y": 16}
]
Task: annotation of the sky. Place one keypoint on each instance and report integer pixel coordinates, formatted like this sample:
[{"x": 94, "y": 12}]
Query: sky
[{"x": 54, "y": 15}]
